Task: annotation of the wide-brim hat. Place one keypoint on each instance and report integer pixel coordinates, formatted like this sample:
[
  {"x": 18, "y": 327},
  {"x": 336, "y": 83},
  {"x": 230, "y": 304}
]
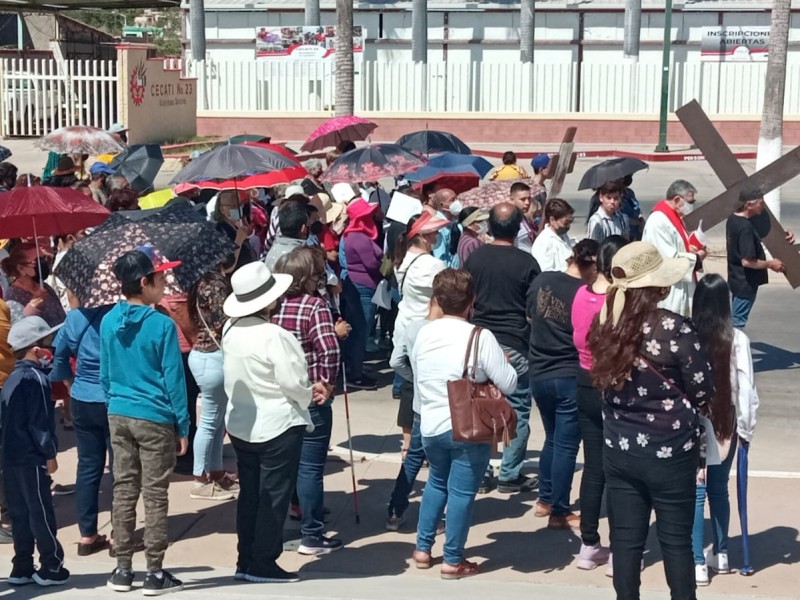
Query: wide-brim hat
[
  {"x": 329, "y": 211},
  {"x": 360, "y": 208},
  {"x": 426, "y": 223},
  {"x": 476, "y": 215},
  {"x": 640, "y": 265},
  {"x": 28, "y": 331},
  {"x": 255, "y": 287}
]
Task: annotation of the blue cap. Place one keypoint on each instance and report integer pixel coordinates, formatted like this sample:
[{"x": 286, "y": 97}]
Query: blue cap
[
  {"x": 101, "y": 167},
  {"x": 540, "y": 161}
]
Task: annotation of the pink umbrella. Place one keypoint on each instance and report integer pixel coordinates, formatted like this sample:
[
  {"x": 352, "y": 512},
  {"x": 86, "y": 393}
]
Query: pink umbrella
[
  {"x": 81, "y": 139},
  {"x": 347, "y": 128}
]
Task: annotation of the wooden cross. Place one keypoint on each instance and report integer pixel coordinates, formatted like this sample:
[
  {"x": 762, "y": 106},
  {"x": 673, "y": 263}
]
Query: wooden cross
[
  {"x": 562, "y": 163},
  {"x": 734, "y": 178}
]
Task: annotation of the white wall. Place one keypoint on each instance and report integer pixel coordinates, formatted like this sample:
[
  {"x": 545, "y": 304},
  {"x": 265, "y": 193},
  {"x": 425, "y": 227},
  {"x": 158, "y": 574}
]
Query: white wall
[{"x": 606, "y": 29}]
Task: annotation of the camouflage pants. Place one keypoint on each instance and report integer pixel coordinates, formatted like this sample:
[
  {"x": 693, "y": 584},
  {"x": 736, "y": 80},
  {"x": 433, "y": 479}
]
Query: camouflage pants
[{"x": 144, "y": 457}]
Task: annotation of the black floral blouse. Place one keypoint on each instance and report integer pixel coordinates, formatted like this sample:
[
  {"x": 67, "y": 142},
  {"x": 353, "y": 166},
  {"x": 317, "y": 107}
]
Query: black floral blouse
[
  {"x": 212, "y": 290},
  {"x": 655, "y": 413}
]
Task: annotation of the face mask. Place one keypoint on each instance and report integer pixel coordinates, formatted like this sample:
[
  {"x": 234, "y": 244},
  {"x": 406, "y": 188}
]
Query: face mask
[
  {"x": 42, "y": 274},
  {"x": 483, "y": 228},
  {"x": 315, "y": 228},
  {"x": 687, "y": 208},
  {"x": 562, "y": 230},
  {"x": 45, "y": 358},
  {"x": 235, "y": 214}
]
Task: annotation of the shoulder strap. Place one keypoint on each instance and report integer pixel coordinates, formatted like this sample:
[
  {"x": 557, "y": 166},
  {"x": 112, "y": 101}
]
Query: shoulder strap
[
  {"x": 474, "y": 331},
  {"x": 477, "y": 331},
  {"x": 661, "y": 376},
  {"x": 408, "y": 270}
]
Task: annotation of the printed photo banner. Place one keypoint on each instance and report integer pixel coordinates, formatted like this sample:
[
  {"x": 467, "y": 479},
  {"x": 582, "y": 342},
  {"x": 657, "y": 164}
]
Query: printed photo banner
[{"x": 304, "y": 43}]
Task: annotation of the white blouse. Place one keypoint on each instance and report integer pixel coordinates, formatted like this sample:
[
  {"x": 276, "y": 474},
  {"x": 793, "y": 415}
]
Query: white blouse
[{"x": 551, "y": 250}]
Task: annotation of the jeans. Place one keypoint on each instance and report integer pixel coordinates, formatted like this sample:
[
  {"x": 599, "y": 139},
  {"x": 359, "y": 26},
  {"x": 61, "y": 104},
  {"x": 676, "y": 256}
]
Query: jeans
[
  {"x": 593, "y": 482},
  {"x": 312, "y": 465},
  {"x": 144, "y": 458},
  {"x": 456, "y": 469},
  {"x": 520, "y": 401},
  {"x": 365, "y": 294},
  {"x": 740, "y": 309},
  {"x": 559, "y": 411},
  {"x": 716, "y": 487},
  {"x": 267, "y": 478},
  {"x": 92, "y": 437},
  {"x": 354, "y": 347},
  {"x": 408, "y": 472},
  {"x": 33, "y": 520},
  {"x": 636, "y": 486},
  {"x": 207, "y": 370}
]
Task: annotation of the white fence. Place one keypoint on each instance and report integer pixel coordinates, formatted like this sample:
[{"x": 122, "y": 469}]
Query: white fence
[
  {"x": 598, "y": 88},
  {"x": 40, "y": 95}
]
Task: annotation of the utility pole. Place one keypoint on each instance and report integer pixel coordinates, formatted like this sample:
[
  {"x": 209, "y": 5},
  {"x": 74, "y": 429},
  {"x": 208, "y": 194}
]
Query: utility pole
[
  {"x": 667, "y": 59},
  {"x": 197, "y": 25}
]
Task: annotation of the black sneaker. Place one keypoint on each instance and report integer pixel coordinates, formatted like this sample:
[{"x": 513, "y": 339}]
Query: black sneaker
[
  {"x": 46, "y": 577},
  {"x": 486, "y": 485},
  {"x": 121, "y": 580},
  {"x": 274, "y": 575},
  {"x": 62, "y": 490},
  {"x": 161, "y": 582},
  {"x": 21, "y": 576},
  {"x": 520, "y": 484},
  {"x": 363, "y": 383},
  {"x": 312, "y": 546}
]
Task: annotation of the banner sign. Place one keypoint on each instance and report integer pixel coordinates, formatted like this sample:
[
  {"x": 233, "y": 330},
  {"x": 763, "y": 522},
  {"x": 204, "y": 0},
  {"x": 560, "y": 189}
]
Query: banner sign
[
  {"x": 735, "y": 43},
  {"x": 303, "y": 43}
]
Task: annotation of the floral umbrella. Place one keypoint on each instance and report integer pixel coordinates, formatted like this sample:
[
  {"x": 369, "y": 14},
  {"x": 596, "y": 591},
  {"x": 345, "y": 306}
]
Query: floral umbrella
[
  {"x": 372, "y": 163},
  {"x": 81, "y": 139},
  {"x": 489, "y": 194},
  {"x": 338, "y": 129}
]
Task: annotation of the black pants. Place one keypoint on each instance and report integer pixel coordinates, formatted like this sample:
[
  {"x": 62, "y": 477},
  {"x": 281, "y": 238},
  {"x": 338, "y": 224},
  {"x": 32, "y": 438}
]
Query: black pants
[
  {"x": 32, "y": 518},
  {"x": 267, "y": 478},
  {"x": 636, "y": 486},
  {"x": 593, "y": 481}
]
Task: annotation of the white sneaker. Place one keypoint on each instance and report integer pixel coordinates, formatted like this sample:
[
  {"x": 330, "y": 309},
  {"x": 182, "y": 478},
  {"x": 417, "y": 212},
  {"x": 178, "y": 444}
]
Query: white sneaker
[
  {"x": 701, "y": 575},
  {"x": 718, "y": 562}
]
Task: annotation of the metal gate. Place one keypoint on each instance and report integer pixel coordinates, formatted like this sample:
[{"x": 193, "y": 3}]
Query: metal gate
[{"x": 37, "y": 96}]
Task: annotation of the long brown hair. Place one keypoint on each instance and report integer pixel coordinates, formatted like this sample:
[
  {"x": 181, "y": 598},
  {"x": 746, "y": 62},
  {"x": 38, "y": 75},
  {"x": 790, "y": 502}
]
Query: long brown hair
[
  {"x": 711, "y": 316},
  {"x": 614, "y": 349}
]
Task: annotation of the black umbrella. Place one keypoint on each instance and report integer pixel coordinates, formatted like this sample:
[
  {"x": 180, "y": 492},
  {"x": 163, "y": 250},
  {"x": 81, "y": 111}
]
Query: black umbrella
[
  {"x": 610, "y": 170},
  {"x": 432, "y": 142},
  {"x": 232, "y": 160},
  {"x": 139, "y": 164},
  {"x": 177, "y": 231}
]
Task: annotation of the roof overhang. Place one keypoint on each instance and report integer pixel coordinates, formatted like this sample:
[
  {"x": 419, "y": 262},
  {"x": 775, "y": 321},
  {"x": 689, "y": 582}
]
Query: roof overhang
[{"x": 59, "y": 5}]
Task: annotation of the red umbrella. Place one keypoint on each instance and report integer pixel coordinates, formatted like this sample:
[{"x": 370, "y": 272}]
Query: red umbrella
[
  {"x": 259, "y": 180},
  {"x": 458, "y": 182},
  {"x": 338, "y": 129},
  {"x": 279, "y": 148},
  {"x": 44, "y": 211}
]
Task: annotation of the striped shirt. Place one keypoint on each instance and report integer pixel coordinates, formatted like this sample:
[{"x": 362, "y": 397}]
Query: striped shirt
[{"x": 601, "y": 225}]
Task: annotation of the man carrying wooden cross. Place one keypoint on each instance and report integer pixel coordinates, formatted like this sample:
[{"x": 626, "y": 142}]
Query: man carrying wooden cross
[{"x": 747, "y": 261}]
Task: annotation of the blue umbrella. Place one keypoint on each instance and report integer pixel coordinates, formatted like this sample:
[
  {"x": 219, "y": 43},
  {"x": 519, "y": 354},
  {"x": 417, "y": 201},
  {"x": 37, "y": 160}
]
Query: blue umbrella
[
  {"x": 741, "y": 497},
  {"x": 5, "y": 153},
  {"x": 448, "y": 160}
]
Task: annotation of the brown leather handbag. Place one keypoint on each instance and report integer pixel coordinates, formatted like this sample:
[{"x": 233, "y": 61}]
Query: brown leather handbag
[{"x": 479, "y": 411}]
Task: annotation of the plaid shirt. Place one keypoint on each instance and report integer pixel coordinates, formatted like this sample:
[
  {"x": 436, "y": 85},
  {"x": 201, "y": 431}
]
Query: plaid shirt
[{"x": 310, "y": 320}]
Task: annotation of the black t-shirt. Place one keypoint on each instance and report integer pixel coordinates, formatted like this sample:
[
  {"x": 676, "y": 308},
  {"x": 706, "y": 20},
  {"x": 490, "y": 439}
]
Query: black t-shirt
[
  {"x": 743, "y": 242},
  {"x": 552, "y": 351},
  {"x": 502, "y": 276}
]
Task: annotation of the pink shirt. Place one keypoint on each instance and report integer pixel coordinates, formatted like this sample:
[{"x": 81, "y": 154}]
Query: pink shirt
[{"x": 585, "y": 306}]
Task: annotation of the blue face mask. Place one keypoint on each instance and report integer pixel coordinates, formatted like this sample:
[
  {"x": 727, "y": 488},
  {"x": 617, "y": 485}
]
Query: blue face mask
[{"x": 235, "y": 214}]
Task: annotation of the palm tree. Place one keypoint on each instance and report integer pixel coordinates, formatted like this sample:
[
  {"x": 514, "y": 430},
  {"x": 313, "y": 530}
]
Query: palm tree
[
  {"x": 344, "y": 58},
  {"x": 770, "y": 137},
  {"x": 312, "y": 18},
  {"x": 197, "y": 26},
  {"x": 633, "y": 26},
  {"x": 419, "y": 31},
  {"x": 526, "y": 30}
]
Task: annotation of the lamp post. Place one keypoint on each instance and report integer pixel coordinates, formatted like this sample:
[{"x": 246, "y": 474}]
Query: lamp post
[{"x": 662, "y": 122}]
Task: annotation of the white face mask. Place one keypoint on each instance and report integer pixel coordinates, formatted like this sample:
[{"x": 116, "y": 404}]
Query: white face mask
[
  {"x": 687, "y": 208},
  {"x": 483, "y": 228},
  {"x": 235, "y": 214}
]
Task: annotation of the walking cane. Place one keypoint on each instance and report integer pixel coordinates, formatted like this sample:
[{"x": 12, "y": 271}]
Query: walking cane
[
  {"x": 741, "y": 497},
  {"x": 350, "y": 443}
]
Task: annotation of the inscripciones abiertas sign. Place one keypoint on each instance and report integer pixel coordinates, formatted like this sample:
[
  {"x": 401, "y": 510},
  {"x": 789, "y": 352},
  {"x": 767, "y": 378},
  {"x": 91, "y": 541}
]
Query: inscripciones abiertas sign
[{"x": 735, "y": 43}]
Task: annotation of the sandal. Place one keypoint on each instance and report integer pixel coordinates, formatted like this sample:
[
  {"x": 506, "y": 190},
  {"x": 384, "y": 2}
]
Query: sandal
[
  {"x": 99, "y": 543},
  {"x": 461, "y": 570},
  {"x": 422, "y": 559}
]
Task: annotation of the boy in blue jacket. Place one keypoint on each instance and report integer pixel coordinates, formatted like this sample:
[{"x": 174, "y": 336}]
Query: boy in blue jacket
[
  {"x": 141, "y": 373},
  {"x": 29, "y": 456}
]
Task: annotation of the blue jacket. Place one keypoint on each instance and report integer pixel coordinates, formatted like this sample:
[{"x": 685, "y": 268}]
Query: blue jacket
[
  {"x": 140, "y": 366},
  {"x": 80, "y": 337},
  {"x": 28, "y": 417}
]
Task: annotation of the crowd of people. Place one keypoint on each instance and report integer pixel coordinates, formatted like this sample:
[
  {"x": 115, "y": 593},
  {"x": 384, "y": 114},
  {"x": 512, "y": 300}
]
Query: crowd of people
[{"x": 624, "y": 346}]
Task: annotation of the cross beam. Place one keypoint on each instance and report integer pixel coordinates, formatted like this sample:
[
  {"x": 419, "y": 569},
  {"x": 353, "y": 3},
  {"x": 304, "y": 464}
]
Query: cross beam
[
  {"x": 734, "y": 178},
  {"x": 563, "y": 162}
]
